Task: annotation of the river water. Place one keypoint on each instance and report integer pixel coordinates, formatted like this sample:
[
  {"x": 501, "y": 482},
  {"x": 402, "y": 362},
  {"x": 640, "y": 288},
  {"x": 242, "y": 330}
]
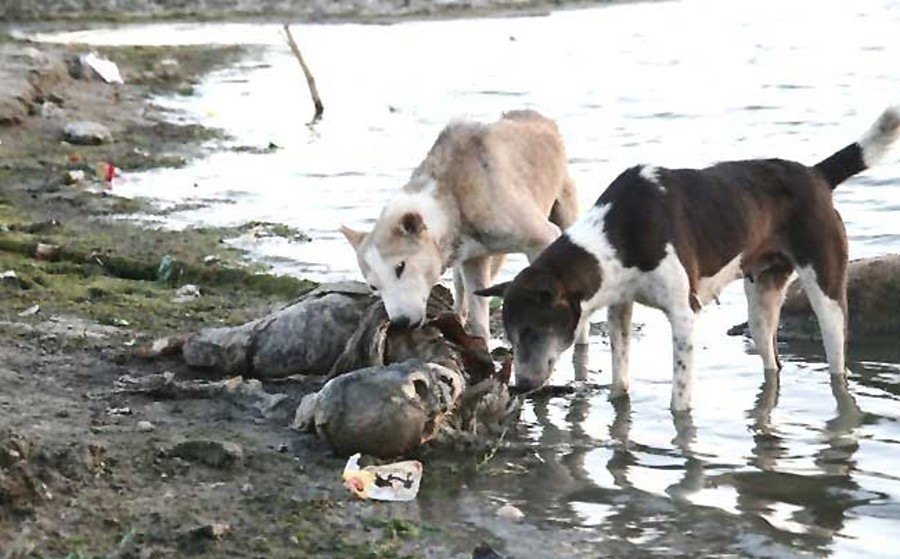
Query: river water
[{"x": 762, "y": 467}]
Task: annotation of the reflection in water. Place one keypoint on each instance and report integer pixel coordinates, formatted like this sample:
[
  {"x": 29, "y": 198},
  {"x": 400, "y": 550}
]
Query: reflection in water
[
  {"x": 804, "y": 509},
  {"x": 819, "y": 501}
]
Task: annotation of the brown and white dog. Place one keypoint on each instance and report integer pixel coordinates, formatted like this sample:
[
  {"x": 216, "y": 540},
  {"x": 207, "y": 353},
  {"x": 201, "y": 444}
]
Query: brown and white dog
[
  {"x": 483, "y": 190},
  {"x": 673, "y": 238}
]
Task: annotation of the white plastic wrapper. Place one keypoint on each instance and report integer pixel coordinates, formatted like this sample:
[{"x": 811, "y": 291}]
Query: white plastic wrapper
[{"x": 392, "y": 482}]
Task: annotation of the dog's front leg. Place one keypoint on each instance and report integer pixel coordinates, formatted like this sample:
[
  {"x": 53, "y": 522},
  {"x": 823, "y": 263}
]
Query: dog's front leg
[
  {"x": 682, "y": 321},
  {"x": 476, "y": 274},
  {"x": 619, "y": 319},
  {"x": 461, "y": 301}
]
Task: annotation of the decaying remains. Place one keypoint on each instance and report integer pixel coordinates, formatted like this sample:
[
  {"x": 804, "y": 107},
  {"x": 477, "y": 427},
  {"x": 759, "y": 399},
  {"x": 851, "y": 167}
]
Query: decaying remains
[
  {"x": 384, "y": 410},
  {"x": 389, "y": 389}
]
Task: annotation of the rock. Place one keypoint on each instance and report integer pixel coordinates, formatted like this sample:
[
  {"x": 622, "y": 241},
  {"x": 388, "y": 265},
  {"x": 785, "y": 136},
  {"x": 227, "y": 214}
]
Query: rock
[
  {"x": 13, "y": 110},
  {"x": 50, "y": 110},
  {"x": 87, "y": 133},
  {"x": 167, "y": 69},
  {"x": 211, "y": 531},
  {"x": 45, "y": 251},
  {"x": 215, "y": 454},
  {"x": 511, "y": 513},
  {"x": 73, "y": 177},
  {"x": 186, "y": 293},
  {"x": 11, "y": 279},
  {"x": 305, "y": 417},
  {"x": 484, "y": 551},
  {"x": 145, "y": 426}
]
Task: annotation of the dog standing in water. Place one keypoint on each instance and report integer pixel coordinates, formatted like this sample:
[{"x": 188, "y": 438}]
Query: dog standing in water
[
  {"x": 483, "y": 190},
  {"x": 673, "y": 238}
]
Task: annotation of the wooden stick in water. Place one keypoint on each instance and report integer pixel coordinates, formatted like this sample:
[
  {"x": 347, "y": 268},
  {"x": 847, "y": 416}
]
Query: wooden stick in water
[{"x": 310, "y": 80}]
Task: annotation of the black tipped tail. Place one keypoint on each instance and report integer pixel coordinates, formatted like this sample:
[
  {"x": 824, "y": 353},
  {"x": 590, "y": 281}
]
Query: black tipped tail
[
  {"x": 864, "y": 153},
  {"x": 842, "y": 165}
]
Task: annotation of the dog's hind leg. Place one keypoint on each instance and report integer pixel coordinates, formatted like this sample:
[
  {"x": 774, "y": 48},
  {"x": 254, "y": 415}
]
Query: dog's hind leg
[
  {"x": 619, "y": 318},
  {"x": 476, "y": 274},
  {"x": 765, "y": 294},
  {"x": 829, "y": 303},
  {"x": 822, "y": 271}
]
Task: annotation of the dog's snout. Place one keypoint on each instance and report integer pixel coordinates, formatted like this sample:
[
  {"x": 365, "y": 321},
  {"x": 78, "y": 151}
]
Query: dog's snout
[{"x": 401, "y": 322}]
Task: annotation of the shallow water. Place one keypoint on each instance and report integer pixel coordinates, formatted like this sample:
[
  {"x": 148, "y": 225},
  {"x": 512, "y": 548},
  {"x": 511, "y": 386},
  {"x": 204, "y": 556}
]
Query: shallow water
[{"x": 760, "y": 468}]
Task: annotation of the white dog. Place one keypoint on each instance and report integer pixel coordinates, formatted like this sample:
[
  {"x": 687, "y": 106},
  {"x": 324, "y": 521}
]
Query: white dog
[{"x": 483, "y": 190}]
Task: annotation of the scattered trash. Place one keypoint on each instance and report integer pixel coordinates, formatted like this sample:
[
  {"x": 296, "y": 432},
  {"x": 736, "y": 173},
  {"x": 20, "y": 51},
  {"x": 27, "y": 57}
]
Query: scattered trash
[
  {"x": 104, "y": 67},
  {"x": 118, "y": 412},
  {"x": 145, "y": 426},
  {"x": 511, "y": 513},
  {"x": 166, "y": 266},
  {"x": 211, "y": 259},
  {"x": 74, "y": 176},
  {"x": 31, "y": 311},
  {"x": 45, "y": 251},
  {"x": 120, "y": 322},
  {"x": 106, "y": 171},
  {"x": 186, "y": 293},
  {"x": 391, "y": 482}
]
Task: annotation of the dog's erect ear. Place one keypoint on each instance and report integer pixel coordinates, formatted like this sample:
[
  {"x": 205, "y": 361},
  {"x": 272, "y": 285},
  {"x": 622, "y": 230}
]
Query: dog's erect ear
[
  {"x": 412, "y": 223},
  {"x": 498, "y": 290},
  {"x": 353, "y": 236}
]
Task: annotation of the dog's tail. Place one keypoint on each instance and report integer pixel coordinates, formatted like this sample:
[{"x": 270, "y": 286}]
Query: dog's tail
[{"x": 865, "y": 152}]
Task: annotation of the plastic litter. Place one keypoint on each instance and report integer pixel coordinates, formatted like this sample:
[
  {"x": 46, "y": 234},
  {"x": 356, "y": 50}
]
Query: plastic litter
[
  {"x": 74, "y": 176},
  {"x": 166, "y": 266},
  {"x": 391, "y": 482},
  {"x": 105, "y": 68},
  {"x": 106, "y": 171}
]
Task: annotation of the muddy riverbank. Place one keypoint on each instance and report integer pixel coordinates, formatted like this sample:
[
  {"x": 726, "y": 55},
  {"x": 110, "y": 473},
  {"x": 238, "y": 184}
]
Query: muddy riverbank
[
  {"x": 85, "y": 472},
  {"x": 295, "y": 10}
]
